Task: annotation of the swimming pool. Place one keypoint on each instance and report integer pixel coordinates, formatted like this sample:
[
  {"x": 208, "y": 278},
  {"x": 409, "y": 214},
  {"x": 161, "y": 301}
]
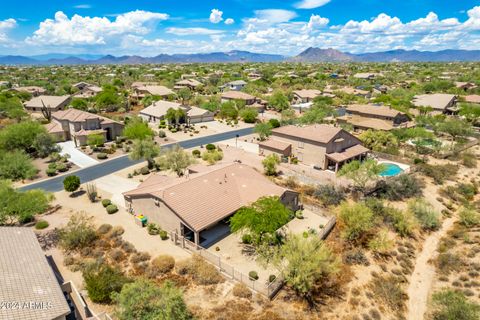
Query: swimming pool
[{"x": 391, "y": 169}]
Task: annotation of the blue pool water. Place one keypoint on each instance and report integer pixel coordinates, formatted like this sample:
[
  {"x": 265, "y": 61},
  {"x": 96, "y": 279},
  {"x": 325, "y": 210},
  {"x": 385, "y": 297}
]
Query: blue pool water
[{"x": 391, "y": 169}]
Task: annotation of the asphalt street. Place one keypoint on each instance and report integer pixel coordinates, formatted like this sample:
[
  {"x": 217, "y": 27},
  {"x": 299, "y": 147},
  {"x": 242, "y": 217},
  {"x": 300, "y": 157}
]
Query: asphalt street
[{"x": 108, "y": 167}]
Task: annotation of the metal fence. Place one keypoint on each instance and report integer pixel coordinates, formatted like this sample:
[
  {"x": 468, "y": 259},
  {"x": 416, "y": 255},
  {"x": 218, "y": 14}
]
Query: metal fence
[{"x": 268, "y": 289}]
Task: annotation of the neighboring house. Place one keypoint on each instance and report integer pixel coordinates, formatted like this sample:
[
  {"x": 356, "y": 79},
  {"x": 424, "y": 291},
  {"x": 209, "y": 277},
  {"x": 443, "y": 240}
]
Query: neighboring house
[
  {"x": 199, "y": 205},
  {"x": 86, "y": 90},
  {"x": 474, "y": 98},
  {"x": 466, "y": 85},
  {"x": 33, "y": 90},
  {"x": 369, "y": 116},
  {"x": 143, "y": 89},
  {"x": 236, "y": 85},
  {"x": 77, "y": 125},
  {"x": 439, "y": 102},
  {"x": 191, "y": 84},
  {"x": 54, "y": 103},
  {"x": 305, "y": 95},
  {"x": 322, "y": 146},
  {"x": 29, "y": 287},
  {"x": 157, "y": 111},
  {"x": 250, "y": 101}
]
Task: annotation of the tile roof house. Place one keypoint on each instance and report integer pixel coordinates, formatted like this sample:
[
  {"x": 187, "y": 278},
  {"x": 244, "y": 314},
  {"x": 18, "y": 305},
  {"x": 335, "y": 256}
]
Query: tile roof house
[
  {"x": 77, "y": 125},
  {"x": 194, "y": 206},
  {"x": 157, "y": 111},
  {"x": 143, "y": 89},
  {"x": 191, "y": 84},
  {"x": 322, "y": 146},
  {"x": 369, "y": 116},
  {"x": 86, "y": 90},
  {"x": 250, "y": 101},
  {"x": 439, "y": 102},
  {"x": 54, "y": 103},
  {"x": 236, "y": 85},
  {"x": 305, "y": 95},
  {"x": 27, "y": 279},
  {"x": 33, "y": 90}
]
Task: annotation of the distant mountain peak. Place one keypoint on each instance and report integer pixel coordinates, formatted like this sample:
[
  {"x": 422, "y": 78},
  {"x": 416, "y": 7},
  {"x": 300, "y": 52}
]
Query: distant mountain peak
[{"x": 322, "y": 55}]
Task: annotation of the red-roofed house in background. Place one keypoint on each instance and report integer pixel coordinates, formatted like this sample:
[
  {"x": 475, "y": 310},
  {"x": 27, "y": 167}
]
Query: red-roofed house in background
[{"x": 77, "y": 125}]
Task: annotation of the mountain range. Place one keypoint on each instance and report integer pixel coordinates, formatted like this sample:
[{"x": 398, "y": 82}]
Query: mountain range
[{"x": 309, "y": 55}]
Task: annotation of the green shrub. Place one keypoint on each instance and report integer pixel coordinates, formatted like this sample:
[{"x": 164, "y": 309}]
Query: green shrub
[
  {"x": 153, "y": 229},
  {"x": 111, "y": 208},
  {"x": 144, "y": 170},
  {"x": 253, "y": 275},
  {"x": 448, "y": 262},
  {"x": 78, "y": 233},
  {"x": 210, "y": 147},
  {"x": 163, "y": 234},
  {"x": 61, "y": 167},
  {"x": 71, "y": 183},
  {"x": 106, "y": 202},
  {"x": 41, "y": 224},
  {"x": 453, "y": 305},
  {"x": 429, "y": 218},
  {"x": 52, "y": 165},
  {"x": 196, "y": 153},
  {"x": 51, "y": 172},
  {"x": 102, "y": 156},
  {"x": 272, "y": 278},
  {"x": 246, "y": 238},
  {"x": 356, "y": 219},
  {"x": 162, "y": 134},
  {"x": 101, "y": 281},
  {"x": 399, "y": 187},
  {"x": 274, "y": 123},
  {"x": 468, "y": 217},
  {"x": 404, "y": 223}
]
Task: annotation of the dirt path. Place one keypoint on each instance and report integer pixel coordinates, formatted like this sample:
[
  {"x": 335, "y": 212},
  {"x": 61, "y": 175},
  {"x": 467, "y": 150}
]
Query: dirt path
[{"x": 424, "y": 273}]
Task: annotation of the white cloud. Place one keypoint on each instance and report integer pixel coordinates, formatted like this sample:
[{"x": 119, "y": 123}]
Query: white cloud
[
  {"x": 216, "y": 16},
  {"x": 81, "y": 30},
  {"x": 229, "y": 21},
  {"x": 272, "y": 16},
  {"x": 82, "y": 6},
  {"x": 5, "y": 27},
  {"x": 310, "y": 4},
  {"x": 316, "y": 22},
  {"x": 193, "y": 31}
]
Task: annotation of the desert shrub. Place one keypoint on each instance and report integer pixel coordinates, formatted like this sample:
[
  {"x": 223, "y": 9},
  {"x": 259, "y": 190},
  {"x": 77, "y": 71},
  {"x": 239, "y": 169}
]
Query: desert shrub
[
  {"x": 111, "y": 208},
  {"x": 429, "y": 218},
  {"x": 356, "y": 257},
  {"x": 102, "y": 156},
  {"x": 116, "y": 255},
  {"x": 184, "y": 267},
  {"x": 78, "y": 233},
  {"x": 241, "y": 290},
  {"x": 139, "y": 257},
  {"x": 389, "y": 291},
  {"x": 381, "y": 243},
  {"x": 404, "y": 222},
  {"x": 450, "y": 304},
  {"x": 92, "y": 192},
  {"x": 61, "y": 167},
  {"x": 467, "y": 190},
  {"x": 117, "y": 231},
  {"x": 153, "y": 229},
  {"x": 329, "y": 194},
  {"x": 399, "y": 187},
  {"x": 253, "y": 275},
  {"x": 51, "y": 172},
  {"x": 356, "y": 219},
  {"x": 106, "y": 202},
  {"x": 163, "y": 234},
  {"x": 448, "y": 262},
  {"x": 144, "y": 170},
  {"x": 247, "y": 238},
  {"x": 101, "y": 281},
  {"x": 469, "y": 160},
  {"x": 196, "y": 153},
  {"x": 201, "y": 271},
  {"x": 162, "y": 134},
  {"x": 439, "y": 173},
  {"x": 41, "y": 224},
  {"x": 468, "y": 217},
  {"x": 163, "y": 263}
]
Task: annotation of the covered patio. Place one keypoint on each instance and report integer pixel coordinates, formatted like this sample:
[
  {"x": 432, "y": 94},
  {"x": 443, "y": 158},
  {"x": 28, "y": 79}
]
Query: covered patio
[{"x": 338, "y": 159}]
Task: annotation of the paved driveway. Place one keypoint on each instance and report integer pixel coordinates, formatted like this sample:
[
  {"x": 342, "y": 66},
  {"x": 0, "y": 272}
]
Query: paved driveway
[
  {"x": 76, "y": 156},
  {"x": 116, "y": 186}
]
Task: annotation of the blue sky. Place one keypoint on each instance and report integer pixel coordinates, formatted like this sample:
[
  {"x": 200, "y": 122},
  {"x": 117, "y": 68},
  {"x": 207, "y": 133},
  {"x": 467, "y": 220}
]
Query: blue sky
[{"x": 151, "y": 27}]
